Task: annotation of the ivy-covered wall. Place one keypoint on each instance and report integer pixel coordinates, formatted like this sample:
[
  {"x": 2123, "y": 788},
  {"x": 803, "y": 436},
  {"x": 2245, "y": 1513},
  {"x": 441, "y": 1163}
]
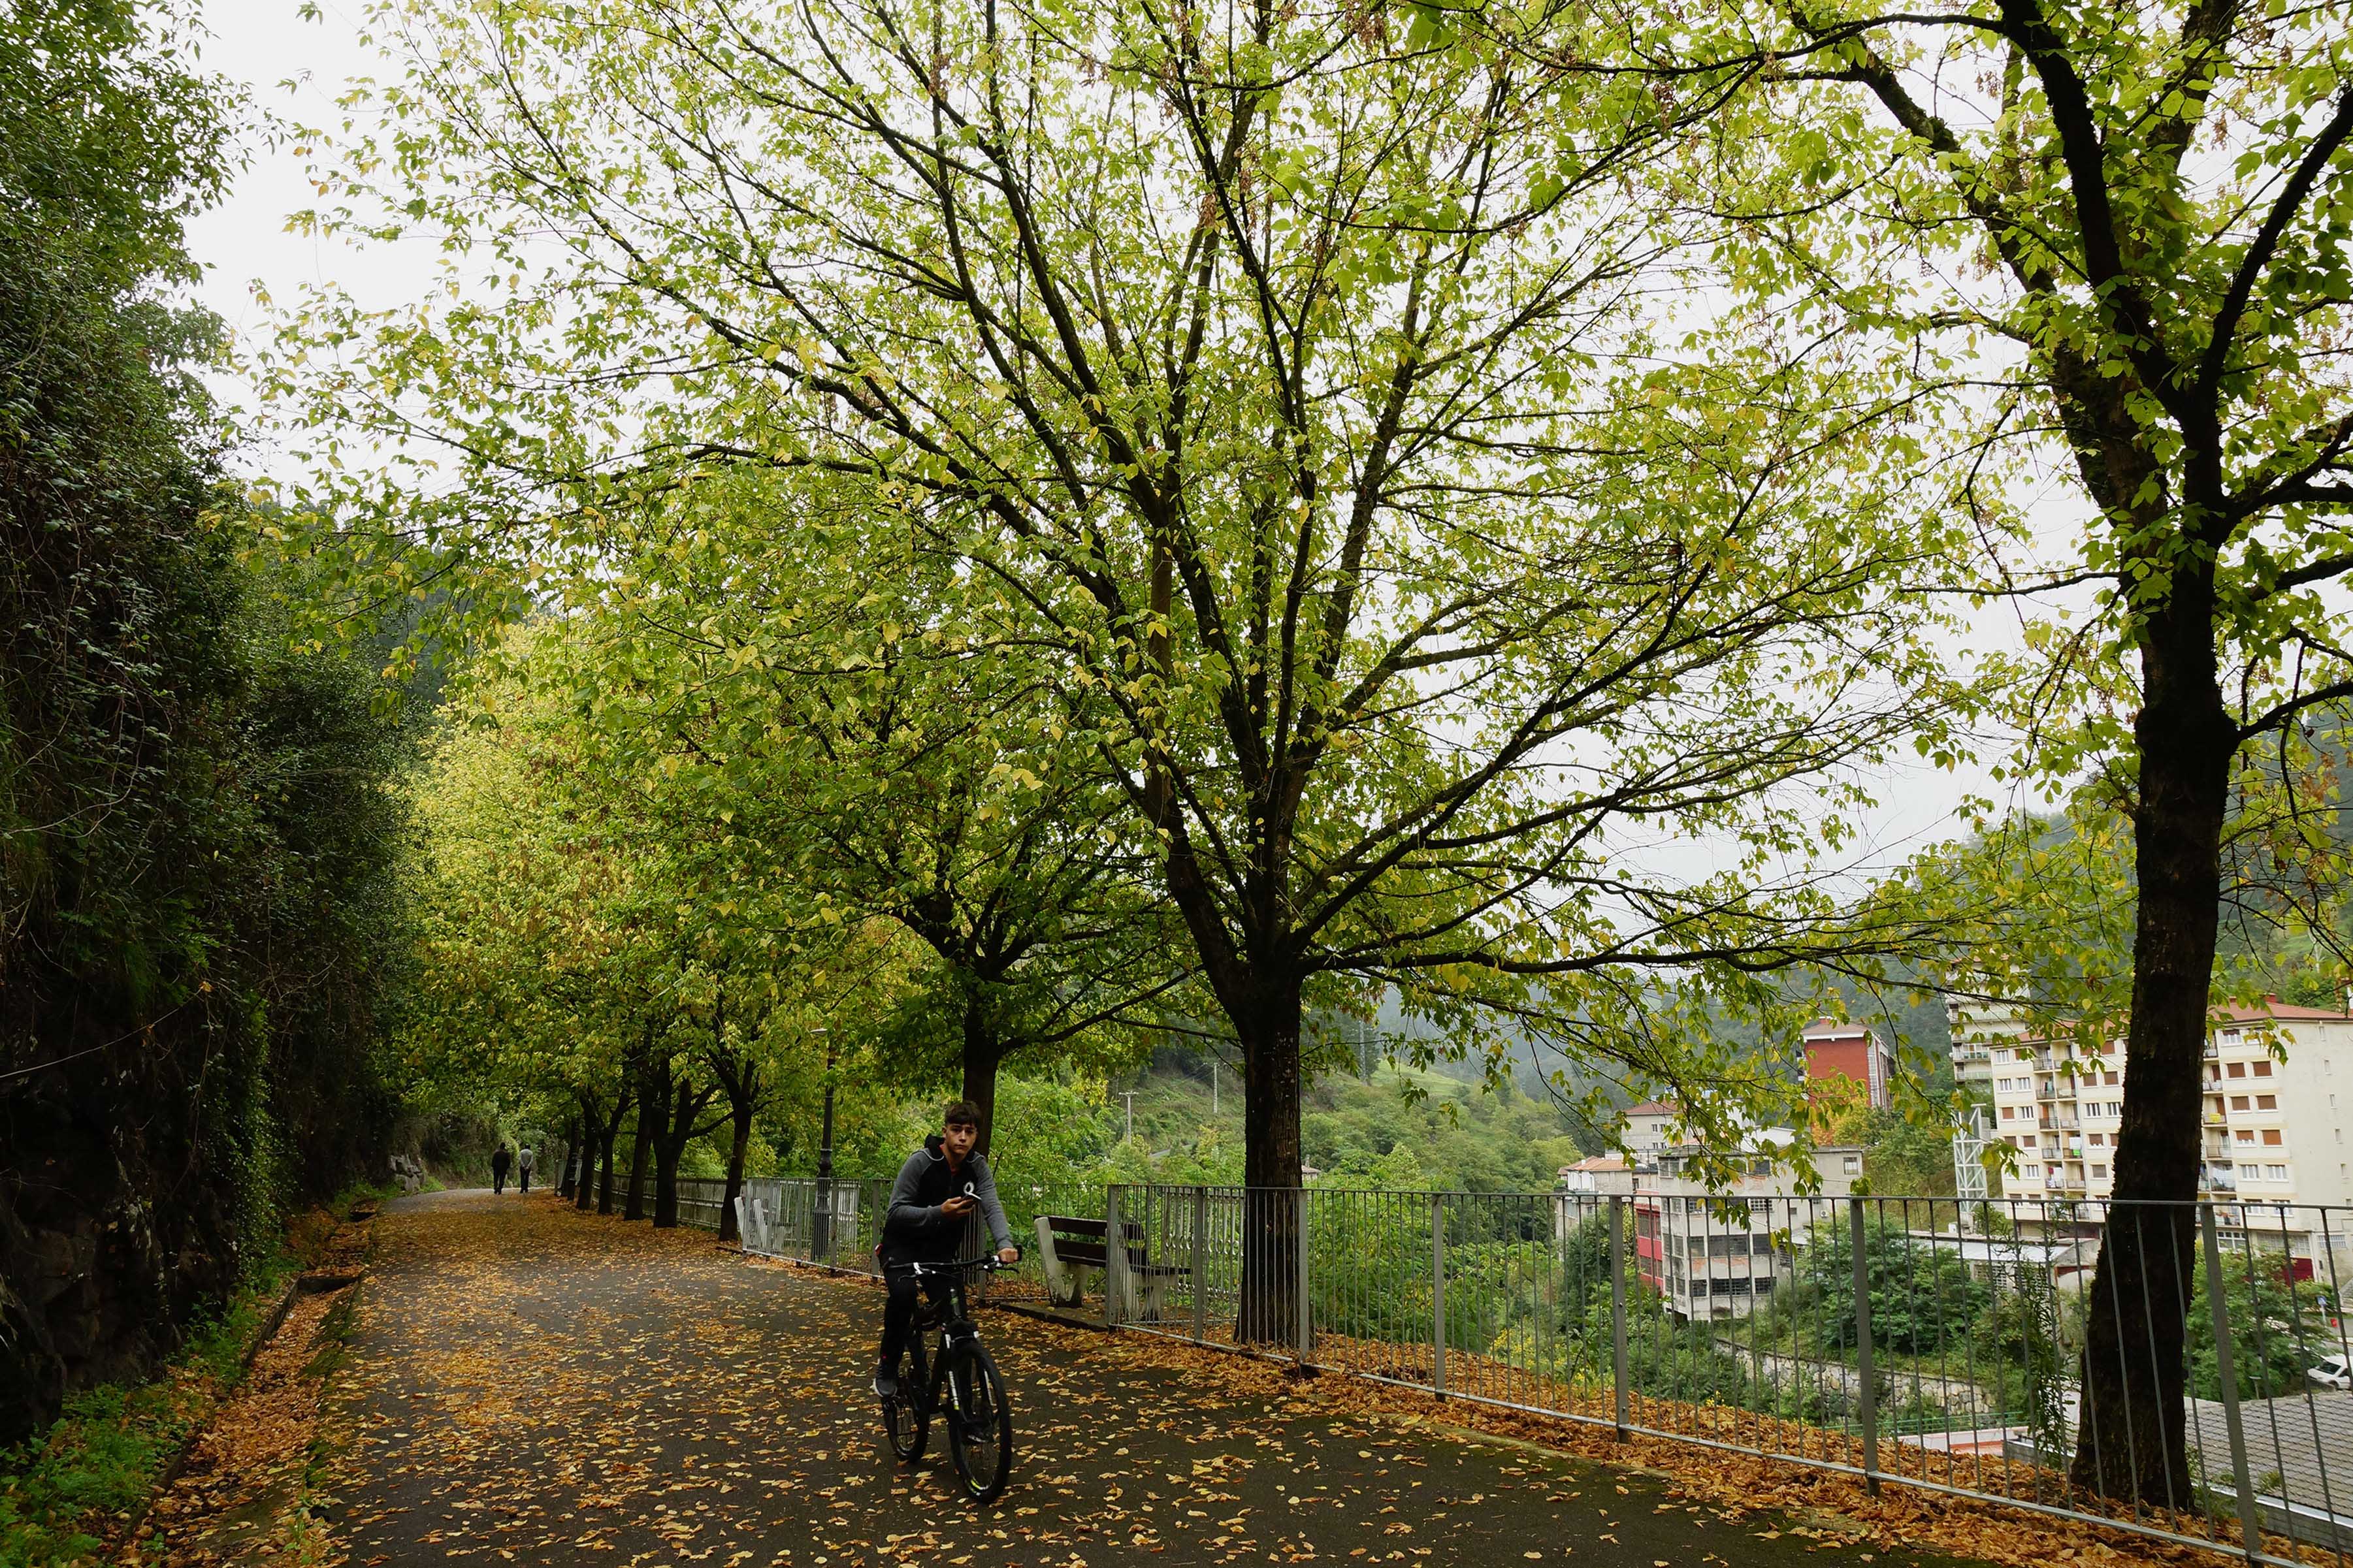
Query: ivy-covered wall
[{"x": 198, "y": 848}]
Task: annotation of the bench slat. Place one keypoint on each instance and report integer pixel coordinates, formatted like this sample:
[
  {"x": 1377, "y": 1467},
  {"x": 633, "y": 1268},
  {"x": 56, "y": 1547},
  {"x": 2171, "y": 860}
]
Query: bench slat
[{"x": 1093, "y": 1229}]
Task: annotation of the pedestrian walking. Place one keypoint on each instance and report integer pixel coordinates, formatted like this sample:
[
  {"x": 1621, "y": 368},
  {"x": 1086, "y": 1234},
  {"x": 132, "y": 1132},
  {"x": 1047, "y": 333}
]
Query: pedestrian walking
[
  {"x": 522, "y": 1169},
  {"x": 500, "y": 1162}
]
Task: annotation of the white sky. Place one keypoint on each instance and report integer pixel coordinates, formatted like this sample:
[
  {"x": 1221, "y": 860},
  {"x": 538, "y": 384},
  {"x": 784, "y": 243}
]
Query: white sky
[{"x": 263, "y": 44}]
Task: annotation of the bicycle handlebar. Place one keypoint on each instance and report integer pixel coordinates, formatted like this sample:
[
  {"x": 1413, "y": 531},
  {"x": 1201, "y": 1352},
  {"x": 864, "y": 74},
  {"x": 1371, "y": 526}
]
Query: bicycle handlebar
[{"x": 991, "y": 1262}]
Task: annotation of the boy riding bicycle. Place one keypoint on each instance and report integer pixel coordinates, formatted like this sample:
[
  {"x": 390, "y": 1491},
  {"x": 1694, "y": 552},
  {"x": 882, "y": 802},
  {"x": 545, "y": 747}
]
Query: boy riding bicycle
[{"x": 939, "y": 1189}]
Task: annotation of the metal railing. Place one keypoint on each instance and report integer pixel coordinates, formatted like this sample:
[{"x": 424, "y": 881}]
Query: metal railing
[{"x": 1928, "y": 1342}]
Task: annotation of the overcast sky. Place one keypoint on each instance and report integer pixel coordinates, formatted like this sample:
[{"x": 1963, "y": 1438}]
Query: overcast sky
[{"x": 262, "y": 44}]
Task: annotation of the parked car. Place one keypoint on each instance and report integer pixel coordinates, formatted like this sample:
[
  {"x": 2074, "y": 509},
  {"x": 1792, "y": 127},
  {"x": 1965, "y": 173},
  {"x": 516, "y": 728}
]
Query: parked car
[{"x": 2333, "y": 1371}]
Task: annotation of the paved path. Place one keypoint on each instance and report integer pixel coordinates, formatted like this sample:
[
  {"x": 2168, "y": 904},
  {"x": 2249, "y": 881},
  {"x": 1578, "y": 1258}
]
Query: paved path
[{"x": 533, "y": 1385}]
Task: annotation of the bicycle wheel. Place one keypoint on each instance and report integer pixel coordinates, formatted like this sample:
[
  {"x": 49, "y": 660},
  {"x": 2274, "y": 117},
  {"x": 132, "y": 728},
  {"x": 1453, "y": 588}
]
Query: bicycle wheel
[
  {"x": 906, "y": 1422},
  {"x": 980, "y": 1424}
]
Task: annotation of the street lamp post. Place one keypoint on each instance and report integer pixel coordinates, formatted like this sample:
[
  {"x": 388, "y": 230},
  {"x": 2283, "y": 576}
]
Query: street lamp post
[{"x": 821, "y": 1222}]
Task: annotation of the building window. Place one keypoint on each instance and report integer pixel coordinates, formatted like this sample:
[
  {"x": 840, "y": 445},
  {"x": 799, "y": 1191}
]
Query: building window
[
  {"x": 2099, "y": 1171},
  {"x": 2271, "y": 1135},
  {"x": 2008, "y": 1112},
  {"x": 2275, "y": 1172},
  {"x": 2263, "y": 1070},
  {"x": 2099, "y": 1139},
  {"x": 2267, "y": 1102},
  {"x": 2246, "y": 1134},
  {"x": 2237, "y": 1069},
  {"x": 2115, "y": 1078},
  {"x": 2238, "y": 1102},
  {"x": 1852, "y": 1165}
]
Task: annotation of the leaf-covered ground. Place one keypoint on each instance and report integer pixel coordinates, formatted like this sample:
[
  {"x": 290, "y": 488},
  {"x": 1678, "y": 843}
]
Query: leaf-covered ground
[{"x": 531, "y": 1384}]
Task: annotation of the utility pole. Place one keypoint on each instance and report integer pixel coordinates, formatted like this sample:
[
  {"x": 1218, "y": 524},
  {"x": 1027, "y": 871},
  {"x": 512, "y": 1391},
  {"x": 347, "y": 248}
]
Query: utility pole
[
  {"x": 1213, "y": 1088},
  {"x": 1129, "y": 1096}
]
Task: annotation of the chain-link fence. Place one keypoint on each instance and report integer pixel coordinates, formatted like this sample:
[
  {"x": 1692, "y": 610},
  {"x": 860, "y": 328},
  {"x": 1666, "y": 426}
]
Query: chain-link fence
[{"x": 1931, "y": 1342}]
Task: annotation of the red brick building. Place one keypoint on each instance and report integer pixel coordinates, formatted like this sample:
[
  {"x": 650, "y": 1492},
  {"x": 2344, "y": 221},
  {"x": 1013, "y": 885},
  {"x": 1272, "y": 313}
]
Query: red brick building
[{"x": 1850, "y": 1051}]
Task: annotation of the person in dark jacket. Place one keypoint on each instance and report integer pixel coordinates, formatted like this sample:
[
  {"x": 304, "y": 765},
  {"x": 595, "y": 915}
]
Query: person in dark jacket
[
  {"x": 500, "y": 1160},
  {"x": 940, "y": 1188}
]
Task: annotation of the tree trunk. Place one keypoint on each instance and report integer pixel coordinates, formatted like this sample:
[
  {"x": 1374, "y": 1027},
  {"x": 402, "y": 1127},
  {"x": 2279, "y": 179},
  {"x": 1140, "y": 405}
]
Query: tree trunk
[
  {"x": 2131, "y": 1443},
  {"x": 653, "y": 1103},
  {"x": 571, "y": 1146},
  {"x": 671, "y": 1139},
  {"x": 1271, "y": 1227},
  {"x": 740, "y": 1112},
  {"x": 981, "y": 1054},
  {"x": 592, "y": 1121},
  {"x": 666, "y": 1152},
  {"x": 605, "y": 1179}
]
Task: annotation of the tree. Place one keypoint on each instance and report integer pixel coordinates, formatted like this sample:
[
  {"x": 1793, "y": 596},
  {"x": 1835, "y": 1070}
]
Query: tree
[
  {"x": 2147, "y": 211},
  {"x": 2277, "y": 1328},
  {"x": 1924, "y": 1300},
  {"x": 898, "y": 760},
  {"x": 607, "y": 926},
  {"x": 1298, "y": 381}
]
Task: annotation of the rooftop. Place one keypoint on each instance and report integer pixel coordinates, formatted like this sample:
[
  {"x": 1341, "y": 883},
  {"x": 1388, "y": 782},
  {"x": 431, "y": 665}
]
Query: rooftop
[{"x": 2285, "y": 1012}]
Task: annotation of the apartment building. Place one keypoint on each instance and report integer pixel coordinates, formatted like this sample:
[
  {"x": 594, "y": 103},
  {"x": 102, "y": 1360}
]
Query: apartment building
[
  {"x": 1979, "y": 1031},
  {"x": 1850, "y": 1052},
  {"x": 1602, "y": 1175},
  {"x": 1716, "y": 1253},
  {"x": 2279, "y": 1085},
  {"x": 2276, "y": 1130},
  {"x": 1648, "y": 1128}
]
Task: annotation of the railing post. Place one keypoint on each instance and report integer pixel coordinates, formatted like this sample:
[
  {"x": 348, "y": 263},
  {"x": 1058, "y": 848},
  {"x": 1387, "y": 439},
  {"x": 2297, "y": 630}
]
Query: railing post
[
  {"x": 1200, "y": 1269},
  {"x": 2242, "y": 1478},
  {"x": 1114, "y": 1259},
  {"x": 1299, "y": 1242},
  {"x": 1870, "y": 1394},
  {"x": 1437, "y": 1292},
  {"x": 1618, "y": 1381}
]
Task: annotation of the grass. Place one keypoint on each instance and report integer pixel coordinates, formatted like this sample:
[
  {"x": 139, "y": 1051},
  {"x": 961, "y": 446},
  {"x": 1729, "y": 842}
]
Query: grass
[{"x": 101, "y": 1460}]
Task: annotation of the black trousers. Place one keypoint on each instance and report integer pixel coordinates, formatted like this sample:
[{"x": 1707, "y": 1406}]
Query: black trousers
[
  {"x": 899, "y": 1308},
  {"x": 498, "y": 1181}
]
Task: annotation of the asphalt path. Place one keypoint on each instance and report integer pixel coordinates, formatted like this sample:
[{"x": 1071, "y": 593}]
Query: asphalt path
[{"x": 531, "y": 1384}]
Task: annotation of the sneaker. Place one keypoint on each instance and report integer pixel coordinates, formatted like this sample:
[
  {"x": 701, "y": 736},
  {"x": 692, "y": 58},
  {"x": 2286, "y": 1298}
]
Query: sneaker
[{"x": 886, "y": 1386}]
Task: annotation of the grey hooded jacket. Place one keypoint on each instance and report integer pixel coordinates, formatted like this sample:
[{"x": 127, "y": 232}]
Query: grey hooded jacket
[{"x": 915, "y": 1224}]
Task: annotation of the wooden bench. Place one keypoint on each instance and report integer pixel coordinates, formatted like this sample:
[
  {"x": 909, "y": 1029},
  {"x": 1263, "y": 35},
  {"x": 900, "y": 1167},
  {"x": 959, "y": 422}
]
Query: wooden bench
[{"x": 1068, "y": 1243}]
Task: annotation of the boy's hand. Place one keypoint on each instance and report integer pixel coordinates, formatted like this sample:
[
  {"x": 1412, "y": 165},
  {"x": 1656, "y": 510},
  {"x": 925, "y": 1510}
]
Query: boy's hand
[
  {"x": 958, "y": 1206},
  {"x": 1009, "y": 1255}
]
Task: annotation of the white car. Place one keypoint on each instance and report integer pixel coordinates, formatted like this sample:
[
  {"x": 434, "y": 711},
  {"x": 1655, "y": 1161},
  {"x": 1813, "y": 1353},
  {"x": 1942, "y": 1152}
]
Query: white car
[{"x": 2333, "y": 1371}]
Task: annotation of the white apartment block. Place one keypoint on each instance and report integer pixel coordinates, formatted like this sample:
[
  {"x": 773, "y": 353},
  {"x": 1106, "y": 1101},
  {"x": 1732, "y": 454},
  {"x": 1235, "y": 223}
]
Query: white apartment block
[
  {"x": 2274, "y": 1128},
  {"x": 1980, "y": 1032},
  {"x": 1708, "y": 1264}
]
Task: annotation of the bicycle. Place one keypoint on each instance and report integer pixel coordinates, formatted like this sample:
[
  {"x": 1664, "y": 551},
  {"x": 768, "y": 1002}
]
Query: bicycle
[{"x": 980, "y": 1423}]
